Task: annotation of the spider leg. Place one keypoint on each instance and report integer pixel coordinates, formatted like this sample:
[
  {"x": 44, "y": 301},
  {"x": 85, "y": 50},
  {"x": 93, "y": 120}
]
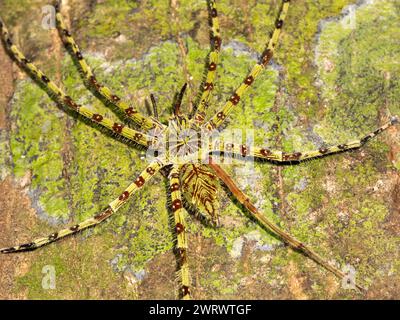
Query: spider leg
[
  {"x": 266, "y": 223},
  {"x": 213, "y": 58},
  {"x": 221, "y": 115},
  {"x": 279, "y": 156},
  {"x": 180, "y": 229},
  {"x": 112, "y": 207},
  {"x": 62, "y": 97},
  {"x": 144, "y": 123},
  {"x": 154, "y": 104}
]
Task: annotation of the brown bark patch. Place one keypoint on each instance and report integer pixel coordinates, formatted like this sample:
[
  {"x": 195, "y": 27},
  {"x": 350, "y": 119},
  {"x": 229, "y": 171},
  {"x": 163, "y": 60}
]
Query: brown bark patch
[{"x": 16, "y": 219}]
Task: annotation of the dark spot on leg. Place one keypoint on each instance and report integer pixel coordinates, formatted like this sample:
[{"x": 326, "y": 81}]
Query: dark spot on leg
[
  {"x": 104, "y": 214},
  {"x": 97, "y": 117},
  {"x": 45, "y": 79},
  {"x": 130, "y": 111},
  {"x": 74, "y": 228},
  {"x": 217, "y": 42},
  {"x": 138, "y": 136},
  {"x": 221, "y": 115},
  {"x": 265, "y": 152},
  {"x": 176, "y": 205},
  {"x": 93, "y": 81},
  {"x": 297, "y": 155},
  {"x": 175, "y": 187},
  {"x": 181, "y": 255},
  {"x": 139, "y": 181},
  {"x": 185, "y": 290},
  {"x": 181, "y": 252},
  {"x": 53, "y": 236},
  {"x": 249, "y": 80},
  {"x": 266, "y": 56},
  {"x": 70, "y": 103},
  {"x": 279, "y": 24},
  {"x": 291, "y": 156},
  {"x": 208, "y": 86},
  {"x": 243, "y": 150},
  {"x": 179, "y": 228},
  {"x": 27, "y": 246},
  {"x": 124, "y": 196},
  {"x": 67, "y": 33},
  {"x": 235, "y": 99},
  {"x": 150, "y": 171},
  {"x": 212, "y": 66},
  {"x": 115, "y": 98},
  {"x": 117, "y": 127},
  {"x": 366, "y": 139}
]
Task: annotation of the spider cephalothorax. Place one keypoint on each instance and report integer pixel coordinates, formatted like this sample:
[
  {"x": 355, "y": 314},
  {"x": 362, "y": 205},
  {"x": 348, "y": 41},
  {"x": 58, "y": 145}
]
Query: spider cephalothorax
[
  {"x": 186, "y": 144},
  {"x": 182, "y": 140},
  {"x": 182, "y": 149}
]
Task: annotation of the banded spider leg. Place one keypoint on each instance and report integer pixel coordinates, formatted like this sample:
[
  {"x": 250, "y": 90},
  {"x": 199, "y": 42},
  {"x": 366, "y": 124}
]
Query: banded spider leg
[
  {"x": 212, "y": 63},
  {"x": 144, "y": 123},
  {"x": 269, "y": 225},
  {"x": 216, "y": 121},
  {"x": 290, "y": 158},
  {"x": 180, "y": 230},
  {"x": 57, "y": 93},
  {"x": 284, "y": 157},
  {"x": 273, "y": 155},
  {"x": 112, "y": 208}
]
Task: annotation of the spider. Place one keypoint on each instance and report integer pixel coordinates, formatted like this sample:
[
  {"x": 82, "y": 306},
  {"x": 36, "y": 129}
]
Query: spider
[{"x": 181, "y": 149}]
